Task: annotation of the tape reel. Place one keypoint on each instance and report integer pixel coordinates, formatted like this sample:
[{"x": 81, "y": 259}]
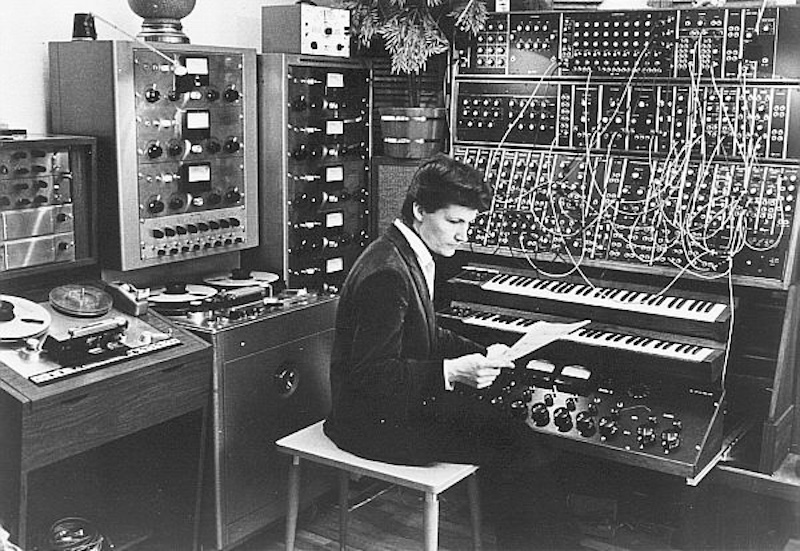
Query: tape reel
[
  {"x": 21, "y": 319},
  {"x": 177, "y": 293},
  {"x": 244, "y": 279}
]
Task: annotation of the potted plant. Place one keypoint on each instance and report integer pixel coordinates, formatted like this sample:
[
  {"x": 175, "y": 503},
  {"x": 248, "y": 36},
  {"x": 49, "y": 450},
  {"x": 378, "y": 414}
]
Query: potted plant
[{"x": 411, "y": 32}]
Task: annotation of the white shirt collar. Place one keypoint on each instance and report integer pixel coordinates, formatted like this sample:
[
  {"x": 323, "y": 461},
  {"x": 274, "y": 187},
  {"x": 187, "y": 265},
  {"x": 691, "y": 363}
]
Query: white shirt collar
[{"x": 424, "y": 256}]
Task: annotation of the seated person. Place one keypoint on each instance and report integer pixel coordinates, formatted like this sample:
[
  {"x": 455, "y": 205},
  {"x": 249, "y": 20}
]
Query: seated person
[{"x": 393, "y": 368}]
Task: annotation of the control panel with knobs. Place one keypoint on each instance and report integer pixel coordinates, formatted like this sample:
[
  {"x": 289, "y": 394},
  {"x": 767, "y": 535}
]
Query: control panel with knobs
[
  {"x": 665, "y": 425},
  {"x": 184, "y": 145}
]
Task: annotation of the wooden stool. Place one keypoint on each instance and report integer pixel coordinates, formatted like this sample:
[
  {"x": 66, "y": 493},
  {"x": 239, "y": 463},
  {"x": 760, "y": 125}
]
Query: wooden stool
[{"x": 312, "y": 444}]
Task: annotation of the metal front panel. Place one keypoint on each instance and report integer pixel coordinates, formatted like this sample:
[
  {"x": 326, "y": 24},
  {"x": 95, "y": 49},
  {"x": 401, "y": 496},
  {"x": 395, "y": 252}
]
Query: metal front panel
[
  {"x": 44, "y": 182},
  {"x": 271, "y": 378},
  {"x": 265, "y": 397},
  {"x": 315, "y": 147},
  {"x": 179, "y": 148}
]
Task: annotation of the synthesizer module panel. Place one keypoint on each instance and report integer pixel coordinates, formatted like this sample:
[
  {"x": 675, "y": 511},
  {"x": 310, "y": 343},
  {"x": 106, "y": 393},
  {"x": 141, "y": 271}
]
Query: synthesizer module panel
[{"x": 658, "y": 141}]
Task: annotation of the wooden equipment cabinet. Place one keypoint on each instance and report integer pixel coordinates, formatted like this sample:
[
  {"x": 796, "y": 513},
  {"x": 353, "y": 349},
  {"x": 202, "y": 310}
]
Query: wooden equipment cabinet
[{"x": 44, "y": 425}]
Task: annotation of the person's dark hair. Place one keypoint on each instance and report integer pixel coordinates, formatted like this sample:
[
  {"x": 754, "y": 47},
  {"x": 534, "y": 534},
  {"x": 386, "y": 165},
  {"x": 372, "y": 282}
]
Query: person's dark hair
[{"x": 442, "y": 181}]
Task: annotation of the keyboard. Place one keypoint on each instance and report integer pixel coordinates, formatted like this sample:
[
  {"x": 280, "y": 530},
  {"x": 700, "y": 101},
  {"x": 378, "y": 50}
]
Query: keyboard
[
  {"x": 605, "y": 297},
  {"x": 596, "y": 337}
]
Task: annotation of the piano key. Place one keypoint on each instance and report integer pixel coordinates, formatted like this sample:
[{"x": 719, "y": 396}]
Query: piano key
[{"x": 618, "y": 299}]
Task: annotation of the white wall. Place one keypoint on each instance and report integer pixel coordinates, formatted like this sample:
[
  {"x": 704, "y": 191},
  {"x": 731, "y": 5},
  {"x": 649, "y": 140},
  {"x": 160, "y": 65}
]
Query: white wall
[{"x": 24, "y": 37}]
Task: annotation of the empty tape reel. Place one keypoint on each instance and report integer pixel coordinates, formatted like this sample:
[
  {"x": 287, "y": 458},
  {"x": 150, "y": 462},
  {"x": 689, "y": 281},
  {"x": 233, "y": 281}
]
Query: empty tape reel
[
  {"x": 21, "y": 318},
  {"x": 176, "y": 293}
]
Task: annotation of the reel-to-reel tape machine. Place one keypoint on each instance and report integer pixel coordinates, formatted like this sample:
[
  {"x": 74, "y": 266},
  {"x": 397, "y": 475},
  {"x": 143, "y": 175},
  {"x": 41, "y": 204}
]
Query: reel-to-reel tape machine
[{"x": 76, "y": 331}]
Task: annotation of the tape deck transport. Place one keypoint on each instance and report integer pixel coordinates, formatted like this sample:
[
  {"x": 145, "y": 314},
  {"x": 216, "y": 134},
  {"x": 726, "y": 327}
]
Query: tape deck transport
[{"x": 76, "y": 331}]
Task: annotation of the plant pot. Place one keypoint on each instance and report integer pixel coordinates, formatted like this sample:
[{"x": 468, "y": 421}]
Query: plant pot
[
  {"x": 413, "y": 132},
  {"x": 162, "y": 19}
]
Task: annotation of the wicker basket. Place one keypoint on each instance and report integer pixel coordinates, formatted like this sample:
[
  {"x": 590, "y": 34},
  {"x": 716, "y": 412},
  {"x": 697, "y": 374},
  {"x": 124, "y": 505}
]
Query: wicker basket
[{"x": 413, "y": 132}]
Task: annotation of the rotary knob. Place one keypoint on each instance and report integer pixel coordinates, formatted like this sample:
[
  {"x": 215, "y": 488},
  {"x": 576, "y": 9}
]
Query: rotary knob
[
  {"x": 177, "y": 203},
  {"x": 670, "y": 439},
  {"x": 299, "y": 104},
  {"x": 519, "y": 409},
  {"x": 548, "y": 399},
  {"x": 645, "y": 435},
  {"x": 155, "y": 206},
  {"x": 152, "y": 95},
  {"x": 213, "y": 146},
  {"x": 232, "y": 145},
  {"x": 233, "y": 196},
  {"x": 174, "y": 148},
  {"x": 231, "y": 95},
  {"x": 585, "y": 424},
  {"x": 540, "y": 414},
  {"x": 300, "y": 152},
  {"x": 154, "y": 151},
  {"x": 607, "y": 427},
  {"x": 562, "y": 419}
]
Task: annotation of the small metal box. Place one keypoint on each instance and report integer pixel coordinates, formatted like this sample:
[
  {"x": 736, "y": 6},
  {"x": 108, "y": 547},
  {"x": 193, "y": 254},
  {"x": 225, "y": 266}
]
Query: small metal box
[{"x": 305, "y": 29}]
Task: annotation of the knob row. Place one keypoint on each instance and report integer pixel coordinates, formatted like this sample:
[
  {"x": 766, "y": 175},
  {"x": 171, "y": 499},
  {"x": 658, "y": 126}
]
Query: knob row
[
  {"x": 196, "y": 228},
  {"x": 196, "y": 247},
  {"x": 152, "y": 95}
]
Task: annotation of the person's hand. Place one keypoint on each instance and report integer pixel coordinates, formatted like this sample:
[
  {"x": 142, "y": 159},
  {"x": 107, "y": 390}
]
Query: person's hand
[{"x": 474, "y": 370}]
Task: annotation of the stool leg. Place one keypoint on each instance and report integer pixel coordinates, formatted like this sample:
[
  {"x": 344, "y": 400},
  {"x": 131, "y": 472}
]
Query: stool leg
[
  {"x": 293, "y": 502},
  {"x": 344, "y": 504},
  {"x": 430, "y": 521},
  {"x": 475, "y": 510}
]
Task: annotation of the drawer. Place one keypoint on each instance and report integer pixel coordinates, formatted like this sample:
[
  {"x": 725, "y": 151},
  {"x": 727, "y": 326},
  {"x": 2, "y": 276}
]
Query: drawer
[{"x": 93, "y": 415}]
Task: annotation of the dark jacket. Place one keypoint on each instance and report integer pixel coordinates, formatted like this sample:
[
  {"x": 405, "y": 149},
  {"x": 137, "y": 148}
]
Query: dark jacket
[{"x": 387, "y": 356}]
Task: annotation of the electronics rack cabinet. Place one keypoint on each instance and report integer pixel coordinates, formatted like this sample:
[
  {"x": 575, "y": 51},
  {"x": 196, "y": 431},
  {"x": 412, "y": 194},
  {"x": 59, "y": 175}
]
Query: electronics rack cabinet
[
  {"x": 47, "y": 205},
  {"x": 271, "y": 378},
  {"x": 315, "y": 148},
  {"x": 599, "y": 115},
  {"x": 176, "y": 150}
]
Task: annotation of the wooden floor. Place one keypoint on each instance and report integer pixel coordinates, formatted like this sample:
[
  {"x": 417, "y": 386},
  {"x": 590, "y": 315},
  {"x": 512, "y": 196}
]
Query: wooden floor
[{"x": 390, "y": 522}]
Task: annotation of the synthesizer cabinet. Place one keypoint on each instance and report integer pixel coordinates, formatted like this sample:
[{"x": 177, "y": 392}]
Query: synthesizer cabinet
[
  {"x": 315, "y": 148},
  {"x": 176, "y": 130},
  {"x": 645, "y": 169}
]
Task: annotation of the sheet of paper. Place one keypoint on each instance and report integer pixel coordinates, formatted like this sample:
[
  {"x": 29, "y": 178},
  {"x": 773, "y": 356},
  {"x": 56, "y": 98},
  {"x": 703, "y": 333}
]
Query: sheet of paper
[{"x": 538, "y": 335}]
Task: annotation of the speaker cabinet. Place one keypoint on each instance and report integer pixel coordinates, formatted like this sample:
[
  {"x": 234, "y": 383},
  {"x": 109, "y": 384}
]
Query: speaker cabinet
[{"x": 390, "y": 180}]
